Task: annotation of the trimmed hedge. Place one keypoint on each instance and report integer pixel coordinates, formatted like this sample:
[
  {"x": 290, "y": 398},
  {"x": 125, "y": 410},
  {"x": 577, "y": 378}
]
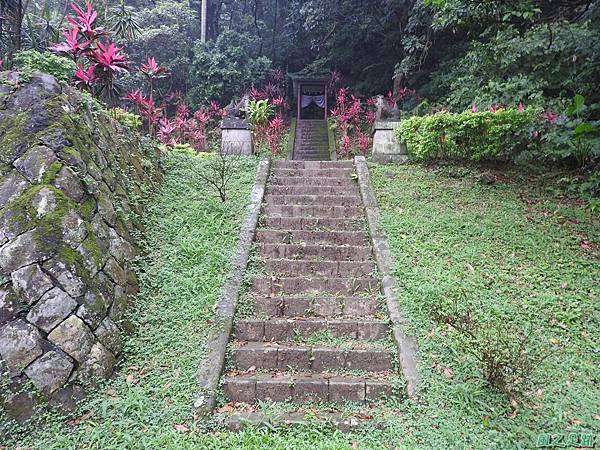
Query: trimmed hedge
[{"x": 499, "y": 135}]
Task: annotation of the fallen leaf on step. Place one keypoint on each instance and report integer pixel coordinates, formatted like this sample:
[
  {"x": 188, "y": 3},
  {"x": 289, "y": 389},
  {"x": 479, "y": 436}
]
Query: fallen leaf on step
[
  {"x": 430, "y": 334},
  {"x": 539, "y": 393},
  {"x": 79, "y": 420},
  {"x": 112, "y": 393},
  {"x": 226, "y": 408},
  {"x": 251, "y": 370}
]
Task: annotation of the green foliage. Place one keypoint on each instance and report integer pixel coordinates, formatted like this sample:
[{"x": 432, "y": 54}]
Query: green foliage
[
  {"x": 224, "y": 68},
  {"x": 506, "y": 354},
  {"x": 128, "y": 119},
  {"x": 124, "y": 22},
  {"x": 502, "y": 135},
  {"x": 30, "y": 61},
  {"x": 510, "y": 65},
  {"x": 168, "y": 30},
  {"x": 259, "y": 112},
  {"x": 574, "y": 136},
  {"x": 183, "y": 149}
]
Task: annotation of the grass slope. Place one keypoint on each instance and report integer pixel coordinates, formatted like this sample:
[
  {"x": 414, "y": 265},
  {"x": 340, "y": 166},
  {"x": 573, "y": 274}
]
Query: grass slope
[
  {"x": 521, "y": 256},
  {"x": 512, "y": 248}
]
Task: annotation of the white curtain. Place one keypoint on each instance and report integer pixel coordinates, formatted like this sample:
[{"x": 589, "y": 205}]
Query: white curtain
[{"x": 307, "y": 100}]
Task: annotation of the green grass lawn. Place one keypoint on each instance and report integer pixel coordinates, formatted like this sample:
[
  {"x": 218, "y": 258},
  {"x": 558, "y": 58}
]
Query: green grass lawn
[{"x": 515, "y": 251}]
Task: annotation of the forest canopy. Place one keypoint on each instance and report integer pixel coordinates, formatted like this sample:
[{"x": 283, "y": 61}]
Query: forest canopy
[
  {"x": 453, "y": 52},
  {"x": 428, "y": 56}
]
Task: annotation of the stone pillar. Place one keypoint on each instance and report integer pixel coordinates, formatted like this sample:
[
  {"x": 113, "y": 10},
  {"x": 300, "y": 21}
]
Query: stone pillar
[
  {"x": 236, "y": 138},
  {"x": 386, "y": 146}
]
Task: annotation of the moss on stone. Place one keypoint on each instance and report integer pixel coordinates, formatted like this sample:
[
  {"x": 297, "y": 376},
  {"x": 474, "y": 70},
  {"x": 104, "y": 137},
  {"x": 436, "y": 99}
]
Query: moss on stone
[
  {"x": 52, "y": 172},
  {"x": 87, "y": 208},
  {"x": 93, "y": 248},
  {"x": 74, "y": 260},
  {"x": 12, "y": 134}
]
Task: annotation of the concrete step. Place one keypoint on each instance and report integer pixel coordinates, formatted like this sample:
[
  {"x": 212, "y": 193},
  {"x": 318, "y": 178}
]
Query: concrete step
[
  {"x": 336, "y": 212},
  {"x": 354, "y": 238},
  {"x": 284, "y": 164},
  {"x": 303, "y": 181},
  {"x": 362, "y": 307},
  {"x": 270, "y": 356},
  {"x": 304, "y": 387},
  {"x": 342, "y": 421},
  {"x": 283, "y": 286},
  {"x": 312, "y": 200},
  {"x": 311, "y": 149},
  {"x": 311, "y": 157},
  {"x": 312, "y": 224},
  {"x": 320, "y": 173},
  {"x": 285, "y": 330},
  {"x": 312, "y": 190},
  {"x": 337, "y": 269},
  {"x": 321, "y": 252},
  {"x": 312, "y": 143}
]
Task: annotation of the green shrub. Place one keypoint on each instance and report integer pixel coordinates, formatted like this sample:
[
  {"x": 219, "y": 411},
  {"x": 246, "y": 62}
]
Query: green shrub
[
  {"x": 128, "y": 119},
  {"x": 499, "y": 135},
  {"x": 30, "y": 61},
  {"x": 184, "y": 149}
]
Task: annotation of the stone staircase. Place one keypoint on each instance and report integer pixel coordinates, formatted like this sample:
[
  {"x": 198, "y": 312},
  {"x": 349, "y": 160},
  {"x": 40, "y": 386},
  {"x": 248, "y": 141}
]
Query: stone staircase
[
  {"x": 312, "y": 141},
  {"x": 316, "y": 329}
]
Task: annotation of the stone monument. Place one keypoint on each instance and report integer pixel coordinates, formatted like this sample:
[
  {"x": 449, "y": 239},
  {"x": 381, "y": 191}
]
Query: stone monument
[
  {"x": 236, "y": 137},
  {"x": 387, "y": 149}
]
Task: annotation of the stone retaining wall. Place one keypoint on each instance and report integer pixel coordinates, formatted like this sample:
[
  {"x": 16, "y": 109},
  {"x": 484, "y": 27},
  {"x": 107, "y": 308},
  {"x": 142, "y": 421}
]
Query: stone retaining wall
[{"x": 68, "y": 178}]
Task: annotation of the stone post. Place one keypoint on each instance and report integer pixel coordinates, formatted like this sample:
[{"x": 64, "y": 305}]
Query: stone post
[
  {"x": 236, "y": 138},
  {"x": 386, "y": 146}
]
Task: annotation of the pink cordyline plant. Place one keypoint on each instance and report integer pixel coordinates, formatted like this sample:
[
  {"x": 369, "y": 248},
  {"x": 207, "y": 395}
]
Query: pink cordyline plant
[
  {"x": 84, "y": 22},
  {"x": 353, "y": 119},
  {"x": 274, "y": 133},
  {"x": 153, "y": 72},
  {"x": 549, "y": 116},
  {"x": 147, "y": 108},
  {"x": 98, "y": 63},
  {"x": 364, "y": 142},
  {"x": 86, "y": 77},
  {"x": 166, "y": 131}
]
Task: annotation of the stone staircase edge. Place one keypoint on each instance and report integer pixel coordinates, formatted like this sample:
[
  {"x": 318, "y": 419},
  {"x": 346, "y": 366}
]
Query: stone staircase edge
[
  {"x": 406, "y": 344},
  {"x": 211, "y": 365}
]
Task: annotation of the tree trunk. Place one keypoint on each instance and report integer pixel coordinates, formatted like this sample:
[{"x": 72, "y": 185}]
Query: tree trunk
[{"x": 203, "y": 20}]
